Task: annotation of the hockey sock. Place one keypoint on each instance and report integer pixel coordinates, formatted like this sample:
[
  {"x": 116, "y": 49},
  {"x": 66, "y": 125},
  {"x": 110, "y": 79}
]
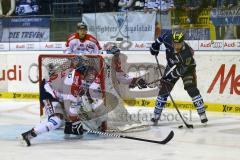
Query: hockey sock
[
  {"x": 160, "y": 102},
  {"x": 199, "y": 104},
  {"x": 52, "y": 124}
]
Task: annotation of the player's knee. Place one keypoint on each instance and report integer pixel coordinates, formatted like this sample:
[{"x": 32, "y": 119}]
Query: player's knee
[
  {"x": 163, "y": 93},
  {"x": 54, "y": 122},
  {"x": 192, "y": 91}
]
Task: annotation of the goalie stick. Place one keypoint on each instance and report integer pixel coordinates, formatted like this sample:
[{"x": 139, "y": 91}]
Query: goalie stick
[
  {"x": 83, "y": 119},
  {"x": 174, "y": 104},
  {"x": 165, "y": 141}
]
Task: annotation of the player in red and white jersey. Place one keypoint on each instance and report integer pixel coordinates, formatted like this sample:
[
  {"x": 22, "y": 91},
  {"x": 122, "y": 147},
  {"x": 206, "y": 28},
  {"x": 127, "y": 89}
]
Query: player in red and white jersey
[
  {"x": 61, "y": 98},
  {"x": 121, "y": 76},
  {"x": 81, "y": 42}
]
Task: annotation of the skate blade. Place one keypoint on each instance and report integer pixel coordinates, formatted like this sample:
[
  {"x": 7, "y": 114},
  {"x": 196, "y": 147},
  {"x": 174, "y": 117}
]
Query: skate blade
[
  {"x": 204, "y": 124},
  {"x": 21, "y": 141}
]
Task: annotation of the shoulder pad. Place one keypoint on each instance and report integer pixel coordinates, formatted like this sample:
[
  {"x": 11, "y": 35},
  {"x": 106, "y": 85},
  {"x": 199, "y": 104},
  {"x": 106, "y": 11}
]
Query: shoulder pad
[
  {"x": 93, "y": 39},
  {"x": 71, "y": 37}
]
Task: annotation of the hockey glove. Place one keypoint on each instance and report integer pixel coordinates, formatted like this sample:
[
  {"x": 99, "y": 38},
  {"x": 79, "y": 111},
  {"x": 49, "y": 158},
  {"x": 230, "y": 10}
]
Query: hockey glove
[
  {"x": 154, "y": 49},
  {"x": 139, "y": 82},
  {"x": 75, "y": 128},
  {"x": 170, "y": 77}
]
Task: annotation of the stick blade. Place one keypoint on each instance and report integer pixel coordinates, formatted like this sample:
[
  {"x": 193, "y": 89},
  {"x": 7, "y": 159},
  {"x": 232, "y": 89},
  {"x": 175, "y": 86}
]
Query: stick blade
[
  {"x": 189, "y": 126},
  {"x": 168, "y": 138}
]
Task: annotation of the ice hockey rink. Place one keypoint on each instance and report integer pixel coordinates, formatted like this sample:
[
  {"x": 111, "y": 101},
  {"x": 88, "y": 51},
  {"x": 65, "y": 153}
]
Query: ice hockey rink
[{"x": 219, "y": 140}]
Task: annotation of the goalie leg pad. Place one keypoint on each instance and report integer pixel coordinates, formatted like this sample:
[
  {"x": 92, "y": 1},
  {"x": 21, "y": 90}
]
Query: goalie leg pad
[{"x": 123, "y": 78}]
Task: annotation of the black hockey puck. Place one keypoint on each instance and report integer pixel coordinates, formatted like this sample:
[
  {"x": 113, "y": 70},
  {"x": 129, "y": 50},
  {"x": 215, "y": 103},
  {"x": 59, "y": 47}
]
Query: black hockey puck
[{"x": 181, "y": 126}]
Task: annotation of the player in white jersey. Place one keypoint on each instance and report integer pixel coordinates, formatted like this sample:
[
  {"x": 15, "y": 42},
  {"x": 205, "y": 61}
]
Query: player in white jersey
[
  {"x": 81, "y": 42},
  {"x": 121, "y": 76},
  {"x": 61, "y": 98}
]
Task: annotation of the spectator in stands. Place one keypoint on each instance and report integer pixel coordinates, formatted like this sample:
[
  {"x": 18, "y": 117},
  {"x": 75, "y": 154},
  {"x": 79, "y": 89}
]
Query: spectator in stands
[
  {"x": 106, "y": 5},
  {"x": 163, "y": 17},
  {"x": 220, "y": 3},
  {"x": 113, "y": 5},
  {"x": 102, "y": 6},
  {"x": 45, "y": 7},
  {"x": 193, "y": 10},
  {"x": 151, "y": 5},
  {"x": 27, "y": 7},
  {"x": 208, "y": 4},
  {"x": 232, "y": 3},
  {"x": 178, "y": 9},
  {"x": 165, "y": 6},
  {"x": 125, "y": 5},
  {"x": 226, "y": 3},
  {"x": 88, "y": 6},
  {"x": 12, "y": 8},
  {"x": 138, "y": 5}
]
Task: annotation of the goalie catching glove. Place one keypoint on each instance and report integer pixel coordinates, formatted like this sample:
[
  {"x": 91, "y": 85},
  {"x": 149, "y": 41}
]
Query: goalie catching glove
[{"x": 138, "y": 82}]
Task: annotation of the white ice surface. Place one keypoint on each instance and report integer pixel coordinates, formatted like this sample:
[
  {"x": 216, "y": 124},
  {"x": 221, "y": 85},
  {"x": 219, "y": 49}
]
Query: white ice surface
[{"x": 220, "y": 140}]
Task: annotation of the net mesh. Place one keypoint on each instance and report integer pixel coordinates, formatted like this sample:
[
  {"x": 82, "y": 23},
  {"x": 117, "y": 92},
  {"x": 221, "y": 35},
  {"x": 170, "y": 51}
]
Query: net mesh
[{"x": 112, "y": 108}]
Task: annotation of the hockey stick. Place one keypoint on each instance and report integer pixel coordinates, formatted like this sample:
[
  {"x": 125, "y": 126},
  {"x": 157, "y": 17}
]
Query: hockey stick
[
  {"x": 174, "y": 104},
  {"x": 155, "y": 81},
  {"x": 165, "y": 141}
]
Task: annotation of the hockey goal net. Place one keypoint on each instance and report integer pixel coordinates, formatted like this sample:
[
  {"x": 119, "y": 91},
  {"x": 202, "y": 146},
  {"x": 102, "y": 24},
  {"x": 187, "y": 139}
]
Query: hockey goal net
[{"x": 117, "y": 117}]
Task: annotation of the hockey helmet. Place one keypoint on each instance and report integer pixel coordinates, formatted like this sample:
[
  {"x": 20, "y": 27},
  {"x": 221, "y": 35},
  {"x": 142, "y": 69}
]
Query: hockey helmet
[
  {"x": 178, "y": 37},
  {"x": 81, "y": 64},
  {"x": 82, "y": 25},
  {"x": 112, "y": 49}
]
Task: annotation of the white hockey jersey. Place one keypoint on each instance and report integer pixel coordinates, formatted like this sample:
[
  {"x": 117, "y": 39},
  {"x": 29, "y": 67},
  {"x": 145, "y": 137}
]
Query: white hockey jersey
[{"x": 89, "y": 45}]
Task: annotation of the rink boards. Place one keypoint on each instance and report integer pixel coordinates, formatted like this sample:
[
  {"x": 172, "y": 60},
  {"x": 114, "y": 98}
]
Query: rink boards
[{"x": 218, "y": 74}]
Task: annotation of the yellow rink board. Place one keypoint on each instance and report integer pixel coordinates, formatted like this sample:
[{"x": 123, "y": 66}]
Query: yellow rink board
[{"x": 141, "y": 102}]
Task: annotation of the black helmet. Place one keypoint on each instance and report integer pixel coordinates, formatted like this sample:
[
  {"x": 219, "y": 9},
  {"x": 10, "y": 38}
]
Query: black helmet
[
  {"x": 81, "y": 25},
  {"x": 178, "y": 37}
]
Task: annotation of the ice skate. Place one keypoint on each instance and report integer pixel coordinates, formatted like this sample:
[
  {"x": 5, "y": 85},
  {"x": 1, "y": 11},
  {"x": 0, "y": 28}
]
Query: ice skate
[
  {"x": 203, "y": 118},
  {"x": 26, "y": 137}
]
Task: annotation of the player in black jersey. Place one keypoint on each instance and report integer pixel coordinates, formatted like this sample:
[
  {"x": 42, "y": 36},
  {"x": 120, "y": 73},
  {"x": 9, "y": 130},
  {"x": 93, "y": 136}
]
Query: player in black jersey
[{"x": 180, "y": 64}]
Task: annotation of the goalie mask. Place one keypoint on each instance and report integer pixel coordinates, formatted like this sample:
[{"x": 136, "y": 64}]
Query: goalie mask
[
  {"x": 81, "y": 64},
  {"x": 53, "y": 69},
  {"x": 112, "y": 49}
]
